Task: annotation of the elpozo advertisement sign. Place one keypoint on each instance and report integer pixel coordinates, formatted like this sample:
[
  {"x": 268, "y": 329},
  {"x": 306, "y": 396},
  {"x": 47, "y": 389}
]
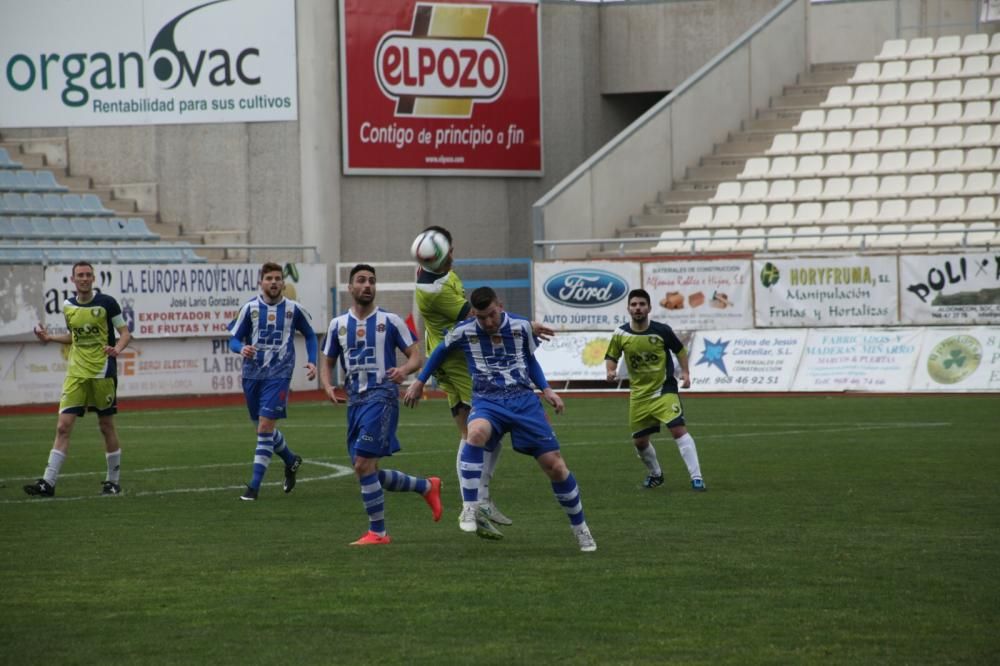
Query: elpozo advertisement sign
[
  {"x": 441, "y": 88},
  {"x": 144, "y": 62},
  {"x": 585, "y": 295}
]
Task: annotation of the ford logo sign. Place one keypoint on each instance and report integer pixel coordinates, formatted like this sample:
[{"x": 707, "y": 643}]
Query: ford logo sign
[{"x": 585, "y": 288}]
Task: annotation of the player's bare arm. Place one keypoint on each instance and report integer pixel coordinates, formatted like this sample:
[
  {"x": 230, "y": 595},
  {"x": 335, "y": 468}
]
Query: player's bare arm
[
  {"x": 541, "y": 331},
  {"x": 612, "y": 369},
  {"x": 685, "y": 375},
  {"x": 414, "y": 361},
  {"x": 325, "y": 379},
  {"x": 124, "y": 337},
  {"x": 553, "y": 399},
  {"x": 413, "y": 394},
  {"x": 45, "y": 337},
  {"x": 310, "y": 371}
]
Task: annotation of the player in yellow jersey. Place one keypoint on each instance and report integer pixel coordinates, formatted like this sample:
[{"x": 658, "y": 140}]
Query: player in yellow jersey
[
  {"x": 654, "y": 399},
  {"x": 91, "y": 376}
]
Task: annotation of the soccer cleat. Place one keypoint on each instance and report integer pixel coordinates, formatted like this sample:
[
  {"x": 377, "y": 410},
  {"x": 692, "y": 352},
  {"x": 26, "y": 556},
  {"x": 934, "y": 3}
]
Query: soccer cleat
[
  {"x": 40, "y": 488},
  {"x": 653, "y": 481},
  {"x": 467, "y": 519},
  {"x": 290, "y": 471},
  {"x": 485, "y": 529},
  {"x": 495, "y": 515},
  {"x": 585, "y": 539},
  {"x": 433, "y": 497},
  {"x": 110, "y": 488},
  {"x": 698, "y": 485},
  {"x": 249, "y": 495},
  {"x": 370, "y": 538}
]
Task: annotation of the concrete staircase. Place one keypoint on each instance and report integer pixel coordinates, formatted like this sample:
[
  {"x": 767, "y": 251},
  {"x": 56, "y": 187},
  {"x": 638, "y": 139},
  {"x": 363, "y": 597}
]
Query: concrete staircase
[
  {"x": 727, "y": 159},
  {"x": 127, "y": 200}
]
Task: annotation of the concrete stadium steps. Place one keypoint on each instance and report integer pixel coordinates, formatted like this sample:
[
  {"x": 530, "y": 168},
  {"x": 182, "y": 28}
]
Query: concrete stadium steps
[
  {"x": 727, "y": 160},
  {"x": 51, "y": 154}
]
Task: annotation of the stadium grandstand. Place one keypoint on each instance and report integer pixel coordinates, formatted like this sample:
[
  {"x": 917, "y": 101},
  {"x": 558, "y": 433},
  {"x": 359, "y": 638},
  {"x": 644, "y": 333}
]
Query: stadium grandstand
[{"x": 807, "y": 190}]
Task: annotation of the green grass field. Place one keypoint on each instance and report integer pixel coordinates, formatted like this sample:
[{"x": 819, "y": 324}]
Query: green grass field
[{"x": 836, "y": 530}]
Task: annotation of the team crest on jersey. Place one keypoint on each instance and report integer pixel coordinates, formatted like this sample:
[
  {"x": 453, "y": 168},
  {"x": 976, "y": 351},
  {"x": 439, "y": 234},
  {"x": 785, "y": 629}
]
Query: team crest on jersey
[
  {"x": 254, "y": 315},
  {"x": 271, "y": 316},
  {"x": 496, "y": 340},
  {"x": 380, "y": 328},
  {"x": 359, "y": 332},
  {"x": 343, "y": 331},
  {"x": 95, "y": 312},
  {"x": 288, "y": 314}
]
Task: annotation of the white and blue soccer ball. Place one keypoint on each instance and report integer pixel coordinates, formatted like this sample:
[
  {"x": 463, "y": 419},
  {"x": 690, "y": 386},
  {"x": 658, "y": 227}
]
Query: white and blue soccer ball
[{"x": 430, "y": 249}]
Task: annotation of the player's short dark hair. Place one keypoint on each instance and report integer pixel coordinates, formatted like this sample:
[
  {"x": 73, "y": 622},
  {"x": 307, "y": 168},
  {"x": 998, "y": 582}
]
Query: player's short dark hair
[
  {"x": 82, "y": 263},
  {"x": 640, "y": 293},
  {"x": 270, "y": 267},
  {"x": 357, "y": 269},
  {"x": 441, "y": 230},
  {"x": 482, "y": 297}
]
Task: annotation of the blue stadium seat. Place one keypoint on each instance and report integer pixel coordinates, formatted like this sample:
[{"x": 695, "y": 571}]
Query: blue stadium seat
[
  {"x": 54, "y": 204},
  {"x": 6, "y": 162},
  {"x": 6, "y": 227},
  {"x": 13, "y": 204},
  {"x": 34, "y": 204},
  {"x": 23, "y": 228},
  {"x": 60, "y": 227},
  {"x": 8, "y": 180},
  {"x": 12, "y": 254},
  {"x": 67, "y": 203},
  {"x": 188, "y": 255},
  {"x": 136, "y": 229},
  {"x": 91, "y": 205},
  {"x": 80, "y": 228},
  {"x": 100, "y": 229},
  {"x": 46, "y": 181},
  {"x": 42, "y": 228}
]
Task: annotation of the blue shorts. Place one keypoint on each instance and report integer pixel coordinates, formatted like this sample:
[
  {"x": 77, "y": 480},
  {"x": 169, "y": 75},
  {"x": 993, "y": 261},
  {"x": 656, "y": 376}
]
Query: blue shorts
[
  {"x": 371, "y": 429},
  {"x": 267, "y": 397},
  {"x": 523, "y": 417}
]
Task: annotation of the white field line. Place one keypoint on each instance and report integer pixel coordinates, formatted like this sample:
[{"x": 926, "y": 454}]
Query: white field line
[{"x": 338, "y": 471}]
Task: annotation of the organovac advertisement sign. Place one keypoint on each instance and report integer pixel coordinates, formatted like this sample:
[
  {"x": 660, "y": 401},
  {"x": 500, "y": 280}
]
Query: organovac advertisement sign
[
  {"x": 950, "y": 288},
  {"x": 578, "y": 296},
  {"x": 826, "y": 291},
  {"x": 441, "y": 87},
  {"x": 146, "y": 62}
]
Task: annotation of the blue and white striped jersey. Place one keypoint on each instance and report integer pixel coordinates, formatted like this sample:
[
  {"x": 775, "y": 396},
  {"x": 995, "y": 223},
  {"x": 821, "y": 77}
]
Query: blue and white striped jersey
[
  {"x": 500, "y": 364},
  {"x": 271, "y": 329},
  {"x": 367, "y": 349}
]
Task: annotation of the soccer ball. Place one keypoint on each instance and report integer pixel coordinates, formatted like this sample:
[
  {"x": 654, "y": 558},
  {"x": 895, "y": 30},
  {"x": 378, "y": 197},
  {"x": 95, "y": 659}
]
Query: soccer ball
[{"x": 430, "y": 249}]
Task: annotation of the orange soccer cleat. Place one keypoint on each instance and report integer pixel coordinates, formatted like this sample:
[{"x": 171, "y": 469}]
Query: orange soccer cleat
[
  {"x": 433, "y": 497},
  {"x": 372, "y": 539}
]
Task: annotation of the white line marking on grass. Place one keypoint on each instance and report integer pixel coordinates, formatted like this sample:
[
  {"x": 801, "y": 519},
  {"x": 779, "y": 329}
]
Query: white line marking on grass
[{"x": 338, "y": 471}]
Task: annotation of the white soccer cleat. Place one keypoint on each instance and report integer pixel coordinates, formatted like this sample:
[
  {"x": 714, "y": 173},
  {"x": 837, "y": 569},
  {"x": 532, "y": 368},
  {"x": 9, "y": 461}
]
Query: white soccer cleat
[
  {"x": 495, "y": 514},
  {"x": 467, "y": 519},
  {"x": 585, "y": 539}
]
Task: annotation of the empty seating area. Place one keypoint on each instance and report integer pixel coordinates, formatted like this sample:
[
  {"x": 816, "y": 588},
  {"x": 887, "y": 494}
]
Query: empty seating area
[
  {"x": 41, "y": 221},
  {"x": 906, "y": 154}
]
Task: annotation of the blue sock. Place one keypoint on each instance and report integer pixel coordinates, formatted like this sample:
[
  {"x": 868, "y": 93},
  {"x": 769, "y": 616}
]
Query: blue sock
[
  {"x": 282, "y": 449},
  {"x": 568, "y": 495},
  {"x": 374, "y": 501},
  {"x": 398, "y": 481},
  {"x": 262, "y": 457},
  {"x": 471, "y": 468}
]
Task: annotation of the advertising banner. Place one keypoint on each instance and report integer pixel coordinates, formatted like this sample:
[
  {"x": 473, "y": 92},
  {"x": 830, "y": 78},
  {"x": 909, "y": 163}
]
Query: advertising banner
[
  {"x": 185, "y": 300},
  {"x": 441, "y": 88},
  {"x": 748, "y": 360},
  {"x": 146, "y": 62},
  {"x": 959, "y": 359},
  {"x": 854, "y": 359},
  {"x": 33, "y": 373},
  {"x": 575, "y": 356},
  {"x": 950, "y": 288},
  {"x": 695, "y": 295},
  {"x": 583, "y": 295},
  {"x": 826, "y": 291}
]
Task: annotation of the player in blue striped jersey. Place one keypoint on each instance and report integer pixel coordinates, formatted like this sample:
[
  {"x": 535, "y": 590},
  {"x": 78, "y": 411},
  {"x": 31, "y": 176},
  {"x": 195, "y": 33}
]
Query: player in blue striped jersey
[
  {"x": 365, "y": 339},
  {"x": 499, "y": 351},
  {"x": 263, "y": 333}
]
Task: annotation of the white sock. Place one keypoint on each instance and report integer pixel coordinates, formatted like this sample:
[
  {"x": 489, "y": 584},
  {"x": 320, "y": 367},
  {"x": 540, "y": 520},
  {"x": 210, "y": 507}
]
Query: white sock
[
  {"x": 648, "y": 456},
  {"x": 490, "y": 459},
  {"x": 114, "y": 465},
  {"x": 458, "y": 467},
  {"x": 689, "y": 453},
  {"x": 56, "y": 460}
]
